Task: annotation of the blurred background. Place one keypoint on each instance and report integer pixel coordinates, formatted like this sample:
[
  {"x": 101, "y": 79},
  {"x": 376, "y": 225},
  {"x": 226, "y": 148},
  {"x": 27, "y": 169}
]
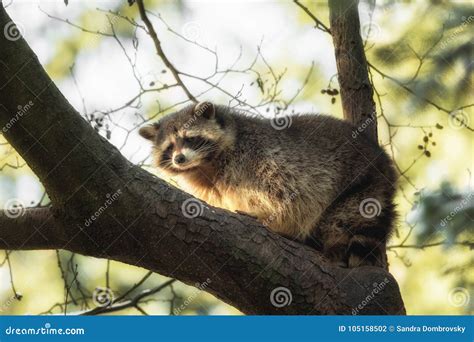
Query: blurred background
[{"x": 266, "y": 57}]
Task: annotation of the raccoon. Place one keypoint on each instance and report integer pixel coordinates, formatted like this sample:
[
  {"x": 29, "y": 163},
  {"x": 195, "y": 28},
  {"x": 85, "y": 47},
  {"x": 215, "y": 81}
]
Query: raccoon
[{"x": 313, "y": 180}]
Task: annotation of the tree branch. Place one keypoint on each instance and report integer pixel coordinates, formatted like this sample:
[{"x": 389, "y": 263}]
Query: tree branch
[
  {"x": 393, "y": 79},
  {"x": 108, "y": 208},
  {"x": 160, "y": 52},
  {"x": 430, "y": 102},
  {"x": 118, "y": 305},
  {"x": 356, "y": 90},
  {"x": 32, "y": 229},
  {"x": 319, "y": 24},
  {"x": 468, "y": 244}
]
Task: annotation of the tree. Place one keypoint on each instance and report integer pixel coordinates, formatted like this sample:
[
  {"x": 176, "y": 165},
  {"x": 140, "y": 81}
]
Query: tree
[{"x": 248, "y": 266}]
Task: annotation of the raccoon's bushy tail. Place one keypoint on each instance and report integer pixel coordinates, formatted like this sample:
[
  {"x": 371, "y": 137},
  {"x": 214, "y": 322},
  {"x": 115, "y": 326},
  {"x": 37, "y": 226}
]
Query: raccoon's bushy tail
[
  {"x": 363, "y": 250},
  {"x": 355, "y": 229}
]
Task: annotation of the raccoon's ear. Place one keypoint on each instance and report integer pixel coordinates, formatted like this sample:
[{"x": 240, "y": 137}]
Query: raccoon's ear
[
  {"x": 206, "y": 109},
  {"x": 149, "y": 132}
]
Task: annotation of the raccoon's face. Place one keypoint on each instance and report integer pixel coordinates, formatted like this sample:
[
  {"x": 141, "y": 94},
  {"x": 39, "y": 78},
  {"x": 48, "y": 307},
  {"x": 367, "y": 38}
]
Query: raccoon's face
[{"x": 188, "y": 139}]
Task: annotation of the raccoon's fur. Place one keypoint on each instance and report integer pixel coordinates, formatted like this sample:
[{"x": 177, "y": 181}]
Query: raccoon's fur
[{"x": 317, "y": 181}]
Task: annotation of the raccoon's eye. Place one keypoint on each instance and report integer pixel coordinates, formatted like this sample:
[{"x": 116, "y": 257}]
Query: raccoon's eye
[
  {"x": 169, "y": 149},
  {"x": 195, "y": 141}
]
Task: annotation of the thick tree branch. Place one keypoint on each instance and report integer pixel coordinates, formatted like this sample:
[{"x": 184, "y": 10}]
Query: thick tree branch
[
  {"x": 108, "y": 208},
  {"x": 30, "y": 229},
  {"x": 356, "y": 90}
]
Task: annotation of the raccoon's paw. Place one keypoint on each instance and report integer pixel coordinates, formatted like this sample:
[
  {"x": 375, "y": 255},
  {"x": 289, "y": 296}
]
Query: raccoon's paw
[
  {"x": 365, "y": 251},
  {"x": 336, "y": 255}
]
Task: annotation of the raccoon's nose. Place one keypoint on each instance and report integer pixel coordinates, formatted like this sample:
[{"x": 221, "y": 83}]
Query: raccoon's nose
[{"x": 179, "y": 159}]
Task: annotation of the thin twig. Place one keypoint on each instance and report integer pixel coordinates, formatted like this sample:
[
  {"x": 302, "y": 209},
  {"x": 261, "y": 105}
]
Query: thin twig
[
  {"x": 160, "y": 52},
  {"x": 132, "y": 303},
  {"x": 434, "y": 244},
  {"x": 319, "y": 23}
]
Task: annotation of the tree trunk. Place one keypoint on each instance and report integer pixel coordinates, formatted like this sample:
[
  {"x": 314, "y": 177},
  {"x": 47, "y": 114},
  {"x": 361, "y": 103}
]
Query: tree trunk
[
  {"x": 104, "y": 206},
  {"x": 356, "y": 90}
]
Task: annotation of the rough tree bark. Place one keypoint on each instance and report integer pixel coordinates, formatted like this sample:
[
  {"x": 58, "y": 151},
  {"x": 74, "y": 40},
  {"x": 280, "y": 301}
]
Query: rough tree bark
[
  {"x": 144, "y": 225},
  {"x": 352, "y": 71}
]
